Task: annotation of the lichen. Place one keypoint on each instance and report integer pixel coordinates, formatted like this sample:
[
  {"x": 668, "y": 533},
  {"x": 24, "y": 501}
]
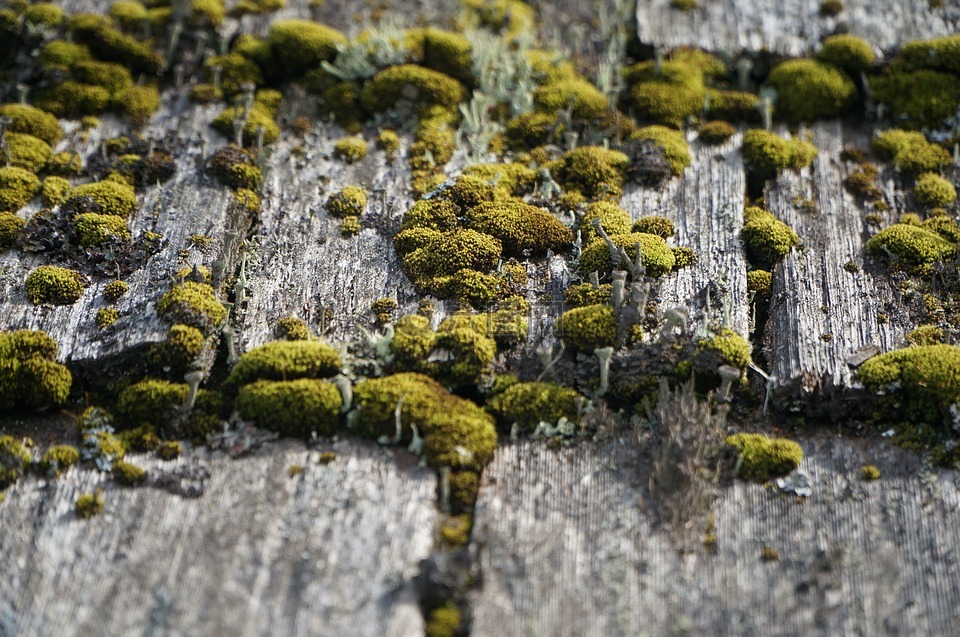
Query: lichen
[
  {"x": 284, "y": 360},
  {"x": 808, "y": 90},
  {"x": 762, "y": 458},
  {"x": 588, "y": 328},
  {"x": 53, "y": 285},
  {"x": 527, "y": 404},
  {"x": 293, "y": 408},
  {"x": 192, "y": 303}
]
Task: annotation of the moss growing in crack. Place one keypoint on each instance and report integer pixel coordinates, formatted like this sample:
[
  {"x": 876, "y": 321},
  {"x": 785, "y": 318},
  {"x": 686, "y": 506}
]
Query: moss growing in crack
[
  {"x": 10, "y": 226},
  {"x": 106, "y": 317},
  {"x": 716, "y": 132},
  {"x": 192, "y": 303},
  {"x": 111, "y": 197},
  {"x": 419, "y": 86},
  {"x": 909, "y": 247},
  {"x": 808, "y": 90},
  {"x": 94, "y": 229},
  {"x": 114, "y": 291},
  {"x": 760, "y": 282},
  {"x": 767, "y": 153},
  {"x": 733, "y": 349},
  {"x": 32, "y": 121},
  {"x": 59, "y": 458},
  {"x": 763, "y": 458},
  {"x": 151, "y": 402},
  {"x": 89, "y": 504},
  {"x": 284, "y": 360},
  {"x": 14, "y": 458},
  {"x": 593, "y": 171},
  {"x": 350, "y": 226},
  {"x": 588, "y": 328},
  {"x": 350, "y": 149},
  {"x": 17, "y": 187},
  {"x": 30, "y": 376},
  {"x": 585, "y": 100},
  {"x": 614, "y": 219},
  {"x": 179, "y": 350},
  {"x": 299, "y": 46},
  {"x": 128, "y": 474},
  {"x": 445, "y": 620},
  {"x": 656, "y": 255},
  {"x": 527, "y": 404},
  {"x": 767, "y": 239},
  {"x": 910, "y": 151},
  {"x": 658, "y": 226},
  {"x": 26, "y": 151},
  {"x": 291, "y": 328},
  {"x": 52, "y": 285},
  {"x": 918, "y": 383},
  {"x": 347, "y": 202},
  {"x": 521, "y": 228},
  {"x": 933, "y": 191},
  {"x": 293, "y": 408}
]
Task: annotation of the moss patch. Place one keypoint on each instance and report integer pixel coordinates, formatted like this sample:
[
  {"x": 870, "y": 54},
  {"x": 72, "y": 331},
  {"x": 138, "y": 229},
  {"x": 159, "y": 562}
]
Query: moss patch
[
  {"x": 767, "y": 153},
  {"x": 52, "y": 285},
  {"x": 292, "y": 408},
  {"x": 808, "y": 90},
  {"x": 656, "y": 255},
  {"x": 30, "y": 376},
  {"x": 192, "y": 303},
  {"x": 588, "y": 328},
  {"x": 527, "y": 404},
  {"x": 767, "y": 239},
  {"x": 763, "y": 458},
  {"x": 284, "y": 360}
]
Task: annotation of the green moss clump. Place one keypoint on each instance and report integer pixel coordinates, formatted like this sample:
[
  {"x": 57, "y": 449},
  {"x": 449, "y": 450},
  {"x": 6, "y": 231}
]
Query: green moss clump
[
  {"x": 586, "y": 294},
  {"x": 292, "y": 408},
  {"x": 444, "y": 51},
  {"x": 192, "y": 303},
  {"x": 61, "y": 55},
  {"x": 299, "y": 46},
  {"x": 656, "y": 255},
  {"x": 658, "y": 226},
  {"x": 10, "y": 226},
  {"x": 933, "y": 191},
  {"x": 944, "y": 226},
  {"x": 388, "y": 141},
  {"x": 530, "y": 130},
  {"x": 831, "y": 8},
  {"x": 463, "y": 339},
  {"x": 869, "y": 472},
  {"x": 347, "y": 202},
  {"x": 60, "y": 457},
  {"x": 111, "y": 76},
  {"x": 588, "y": 328},
  {"x": 917, "y": 99},
  {"x": 54, "y": 190},
  {"x": 406, "y": 241},
  {"x": 350, "y": 226},
  {"x": 44, "y": 14},
  {"x": 257, "y": 116},
  {"x": 89, "y": 504},
  {"x": 180, "y": 350},
  {"x": 672, "y": 142},
  {"x": 128, "y": 474},
  {"x": 235, "y": 71},
  {"x": 585, "y": 100},
  {"x": 17, "y": 187},
  {"x": 669, "y": 93},
  {"x": 109, "y": 44},
  {"x": 767, "y": 153},
  {"x": 763, "y": 458},
  {"x": 507, "y": 17},
  {"x": 435, "y": 214},
  {"x": 513, "y": 177},
  {"x": 284, "y": 360},
  {"x": 909, "y": 247},
  {"x": 925, "y": 335},
  {"x": 26, "y": 151},
  {"x": 14, "y": 458},
  {"x": 49, "y": 284},
  {"x": 151, "y": 402},
  {"x": 716, "y": 132},
  {"x": 129, "y": 14},
  {"x": 65, "y": 163},
  {"x": 910, "y": 151},
  {"x": 521, "y": 228},
  {"x": 106, "y": 317},
  {"x": 443, "y": 621},
  {"x": 30, "y": 377},
  {"x": 922, "y": 382},
  {"x": 808, "y": 90},
  {"x": 760, "y": 282},
  {"x": 936, "y": 53},
  {"x": 732, "y": 348},
  {"x": 291, "y": 328},
  {"x": 207, "y": 13},
  {"x": 766, "y": 238},
  {"x": 138, "y": 103},
  {"x": 527, "y": 404},
  {"x": 234, "y": 167},
  {"x": 112, "y": 197},
  {"x": 451, "y": 252},
  {"x": 114, "y": 291},
  {"x": 593, "y": 171},
  {"x": 614, "y": 219},
  {"x": 70, "y": 98},
  {"x": 847, "y": 52},
  {"x": 350, "y": 149},
  {"x": 420, "y": 86},
  {"x": 94, "y": 229},
  {"x": 733, "y": 106}
]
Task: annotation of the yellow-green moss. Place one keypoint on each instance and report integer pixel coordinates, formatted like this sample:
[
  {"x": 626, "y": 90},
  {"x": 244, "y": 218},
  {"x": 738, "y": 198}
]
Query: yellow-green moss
[
  {"x": 533, "y": 129},
  {"x": 593, "y": 171},
  {"x": 448, "y": 52},
  {"x": 507, "y": 17},
  {"x": 179, "y": 350},
  {"x": 869, "y": 472},
  {"x": 614, "y": 219},
  {"x": 910, "y": 151},
  {"x": 658, "y": 226},
  {"x": 585, "y": 100},
  {"x": 389, "y": 141},
  {"x": 933, "y": 191},
  {"x": 444, "y": 621},
  {"x": 350, "y": 201},
  {"x": 89, "y": 504},
  {"x": 760, "y": 282},
  {"x": 909, "y": 247},
  {"x": 114, "y": 291},
  {"x": 17, "y": 187},
  {"x": 767, "y": 153},
  {"x": 54, "y": 190},
  {"x": 127, "y": 473},
  {"x": 941, "y": 53},
  {"x": 58, "y": 458},
  {"x": 656, "y": 255},
  {"x": 808, "y": 90},
  {"x": 138, "y": 103},
  {"x": 129, "y": 14},
  {"x": 450, "y": 252},
  {"x": 588, "y": 328},
  {"x": 257, "y": 116},
  {"x": 292, "y": 408},
  {"x": 111, "y": 76},
  {"x": 10, "y": 226},
  {"x": 672, "y": 142},
  {"x": 521, "y": 228},
  {"x": 299, "y": 46},
  {"x": 234, "y": 167},
  {"x": 14, "y": 458},
  {"x": 732, "y": 348},
  {"x": 192, "y": 303},
  {"x": 235, "y": 71},
  {"x": 586, "y": 294},
  {"x": 668, "y": 93},
  {"x": 112, "y": 197},
  {"x": 26, "y": 151},
  {"x": 30, "y": 377},
  {"x": 106, "y": 317},
  {"x": 291, "y": 328},
  {"x": 925, "y": 335},
  {"x": 350, "y": 149},
  {"x": 917, "y": 99},
  {"x": 417, "y": 85},
  {"x": 284, "y": 360},
  {"x": 94, "y": 229},
  {"x": 767, "y": 239},
  {"x": 109, "y": 44},
  {"x": 847, "y": 52},
  {"x": 49, "y": 284},
  {"x": 924, "y": 382},
  {"x": 151, "y": 402},
  {"x": 733, "y": 106},
  {"x": 716, "y": 132},
  {"x": 831, "y": 8},
  {"x": 60, "y": 54},
  {"x": 44, "y": 14},
  {"x": 435, "y": 214},
  {"x": 207, "y": 13},
  {"x": 527, "y": 404},
  {"x": 763, "y": 458},
  {"x": 65, "y": 163},
  {"x": 513, "y": 177}
]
